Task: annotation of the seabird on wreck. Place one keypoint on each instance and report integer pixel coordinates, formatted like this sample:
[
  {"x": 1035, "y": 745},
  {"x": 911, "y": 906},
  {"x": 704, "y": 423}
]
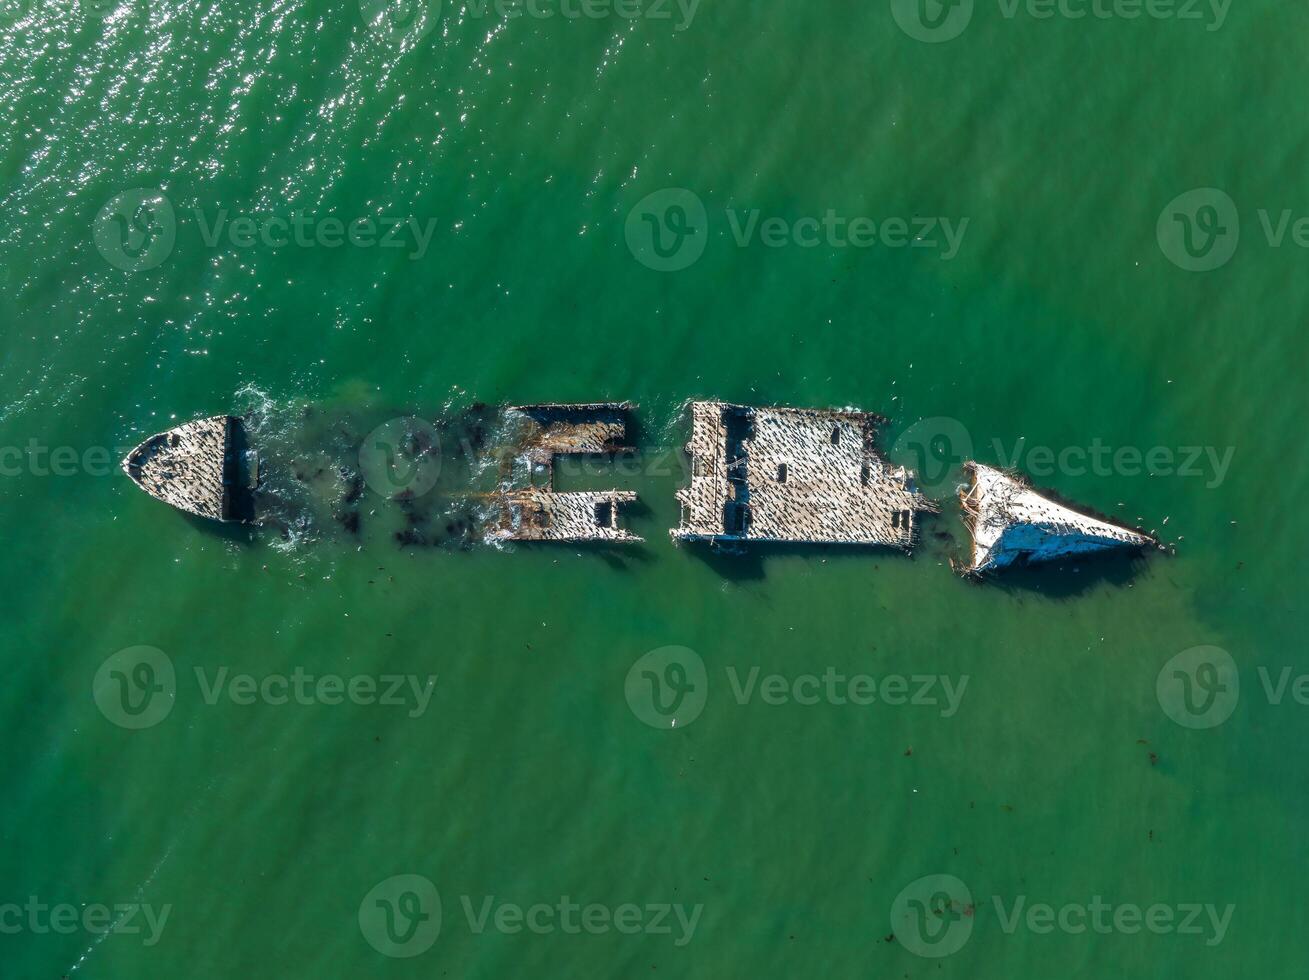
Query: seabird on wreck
[
  {"x": 196, "y": 467},
  {"x": 1012, "y": 523},
  {"x": 794, "y": 475},
  {"x": 528, "y": 507}
]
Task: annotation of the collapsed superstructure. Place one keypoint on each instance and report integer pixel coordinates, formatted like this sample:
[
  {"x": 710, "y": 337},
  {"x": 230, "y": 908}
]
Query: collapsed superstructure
[
  {"x": 197, "y": 468},
  {"x": 1012, "y": 523},
  {"x": 790, "y": 474},
  {"x": 529, "y": 508}
]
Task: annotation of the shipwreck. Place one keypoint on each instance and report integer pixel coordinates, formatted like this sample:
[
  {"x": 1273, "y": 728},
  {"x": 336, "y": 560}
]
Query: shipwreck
[
  {"x": 528, "y": 507},
  {"x": 1012, "y": 524},
  {"x": 201, "y": 468},
  {"x": 794, "y": 475}
]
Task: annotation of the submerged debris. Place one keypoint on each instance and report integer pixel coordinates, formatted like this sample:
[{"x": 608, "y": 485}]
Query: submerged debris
[
  {"x": 1011, "y": 522},
  {"x": 789, "y": 474},
  {"x": 536, "y": 511},
  {"x": 197, "y": 468}
]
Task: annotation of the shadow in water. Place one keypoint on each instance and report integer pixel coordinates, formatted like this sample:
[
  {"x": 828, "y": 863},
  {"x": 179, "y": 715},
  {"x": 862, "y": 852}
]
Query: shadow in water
[
  {"x": 739, "y": 562},
  {"x": 620, "y": 556},
  {"x": 1069, "y": 579},
  {"x": 736, "y": 565},
  {"x": 237, "y": 533},
  {"x": 240, "y": 474},
  {"x": 639, "y": 511}
]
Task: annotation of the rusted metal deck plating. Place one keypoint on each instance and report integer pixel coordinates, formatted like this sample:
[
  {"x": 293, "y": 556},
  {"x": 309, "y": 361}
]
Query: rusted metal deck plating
[
  {"x": 537, "y": 512},
  {"x": 791, "y": 474}
]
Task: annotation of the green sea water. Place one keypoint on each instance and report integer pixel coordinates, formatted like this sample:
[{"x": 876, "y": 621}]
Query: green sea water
[{"x": 1070, "y": 319}]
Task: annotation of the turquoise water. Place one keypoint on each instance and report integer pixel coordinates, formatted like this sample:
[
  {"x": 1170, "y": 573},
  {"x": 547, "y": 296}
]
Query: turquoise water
[{"x": 527, "y": 146}]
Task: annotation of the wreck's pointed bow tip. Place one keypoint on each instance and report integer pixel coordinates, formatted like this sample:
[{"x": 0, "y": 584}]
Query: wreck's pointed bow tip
[{"x": 136, "y": 450}]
